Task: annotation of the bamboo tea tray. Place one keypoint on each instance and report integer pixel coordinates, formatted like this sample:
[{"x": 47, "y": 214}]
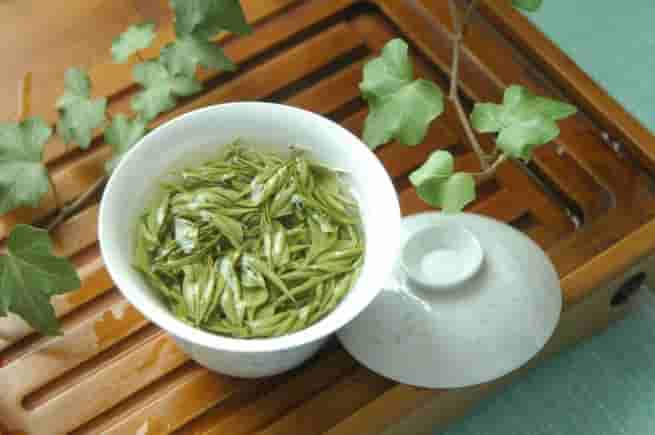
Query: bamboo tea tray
[{"x": 586, "y": 199}]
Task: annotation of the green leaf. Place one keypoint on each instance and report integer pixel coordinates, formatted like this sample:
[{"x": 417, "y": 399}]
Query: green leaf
[
  {"x": 206, "y": 18},
  {"x": 527, "y": 5},
  {"x": 400, "y": 108},
  {"x": 451, "y": 194},
  {"x": 440, "y": 164},
  {"x": 521, "y": 138},
  {"x": 134, "y": 39},
  {"x": 437, "y": 185},
  {"x": 551, "y": 109},
  {"x": 487, "y": 117},
  {"x": 187, "y": 52},
  {"x": 520, "y": 103},
  {"x": 161, "y": 88},
  {"x": 121, "y": 134},
  {"x": 524, "y": 120},
  {"x": 79, "y": 115},
  {"x": 152, "y": 101},
  {"x": 389, "y": 72},
  {"x": 23, "y": 177},
  {"x": 30, "y": 275}
]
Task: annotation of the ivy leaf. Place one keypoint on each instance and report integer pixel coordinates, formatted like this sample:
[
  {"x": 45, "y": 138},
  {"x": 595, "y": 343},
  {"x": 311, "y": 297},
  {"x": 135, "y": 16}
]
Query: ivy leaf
[
  {"x": 187, "y": 52},
  {"x": 438, "y": 185},
  {"x": 440, "y": 164},
  {"x": 399, "y": 107},
  {"x": 79, "y": 115},
  {"x": 134, "y": 39},
  {"x": 388, "y": 73},
  {"x": 405, "y": 115},
  {"x": 30, "y": 275},
  {"x": 121, "y": 134},
  {"x": 487, "y": 117},
  {"x": 23, "y": 178},
  {"x": 527, "y": 5},
  {"x": 520, "y": 139},
  {"x": 161, "y": 88},
  {"x": 524, "y": 120},
  {"x": 452, "y": 194},
  {"x": 206, "y": 18}
]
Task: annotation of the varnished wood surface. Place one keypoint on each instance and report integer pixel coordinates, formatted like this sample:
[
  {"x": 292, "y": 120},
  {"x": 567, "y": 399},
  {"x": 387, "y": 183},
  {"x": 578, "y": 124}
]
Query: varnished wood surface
[{"x": 113, "y": 372}]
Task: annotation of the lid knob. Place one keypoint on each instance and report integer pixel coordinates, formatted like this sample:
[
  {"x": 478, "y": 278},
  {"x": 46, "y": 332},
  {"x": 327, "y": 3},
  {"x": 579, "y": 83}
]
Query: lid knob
[{"x": 441, "y": 257}]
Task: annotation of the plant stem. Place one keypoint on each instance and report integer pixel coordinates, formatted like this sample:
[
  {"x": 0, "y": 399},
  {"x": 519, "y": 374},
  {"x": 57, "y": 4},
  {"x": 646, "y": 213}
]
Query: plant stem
[
  {"x": 24, "y": 97},
  {"x": 457, "y": 41},
  {"x": 467, "y": 15},
  {"x": 459, "y": 28},
  {"x": 78, "y": 204},
  {"x": 491, "y": 170}
]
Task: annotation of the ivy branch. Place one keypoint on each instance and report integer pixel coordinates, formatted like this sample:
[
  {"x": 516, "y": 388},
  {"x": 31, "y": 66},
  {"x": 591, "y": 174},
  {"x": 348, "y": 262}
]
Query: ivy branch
[
  {"x": 402, "y": 108},
  {"x": 29, "y": 272},
  {"x": 460, "y": 26}
]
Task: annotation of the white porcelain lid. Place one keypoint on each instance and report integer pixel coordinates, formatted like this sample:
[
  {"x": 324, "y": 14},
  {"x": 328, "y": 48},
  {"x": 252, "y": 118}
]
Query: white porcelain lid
[{"x": 490, "y": 315}]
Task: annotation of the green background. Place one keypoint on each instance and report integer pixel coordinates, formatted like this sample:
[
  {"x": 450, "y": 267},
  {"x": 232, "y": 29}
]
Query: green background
[
  {"x": 605, "y": 386},
  {"x": 613, "y": 41}
]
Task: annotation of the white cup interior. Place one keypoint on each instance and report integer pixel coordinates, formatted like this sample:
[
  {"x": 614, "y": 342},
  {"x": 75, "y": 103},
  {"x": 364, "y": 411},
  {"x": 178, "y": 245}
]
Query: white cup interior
[{"x": 198, "y": 136}]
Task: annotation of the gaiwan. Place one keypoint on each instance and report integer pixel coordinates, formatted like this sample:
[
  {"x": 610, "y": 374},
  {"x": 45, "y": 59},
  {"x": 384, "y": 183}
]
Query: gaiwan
[{"x": 251, "y": 244}]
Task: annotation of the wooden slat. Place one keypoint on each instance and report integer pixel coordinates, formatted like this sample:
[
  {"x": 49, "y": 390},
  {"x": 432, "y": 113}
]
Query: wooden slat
[
  {"x": 502, "y": 206},
  {"x": 318, "y": 414},
  {"x": 317, "y": 376},
  {"x": 611, "y": 263},
  {"x": 94, "y": 335},
  {"x": 384, "y": 411},
  {"x": 333, "y": 92},
  {"x": 108, "y": 387},
  {"x": 544, "y": 236},
  {"x": 189, "y": 397},
  {"x": 77, "y": 233},
  {"x": 597, "y": 236}
]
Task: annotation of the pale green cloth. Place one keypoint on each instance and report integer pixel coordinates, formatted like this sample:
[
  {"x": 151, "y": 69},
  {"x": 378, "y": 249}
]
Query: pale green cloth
[
  {"x": 613, "y": 41},
  {"x": 605, "y": 386}
]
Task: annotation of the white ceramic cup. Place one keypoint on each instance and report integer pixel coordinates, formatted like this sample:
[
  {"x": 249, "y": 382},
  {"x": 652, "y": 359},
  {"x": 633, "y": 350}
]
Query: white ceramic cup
[{"x": 198, "y": 136}]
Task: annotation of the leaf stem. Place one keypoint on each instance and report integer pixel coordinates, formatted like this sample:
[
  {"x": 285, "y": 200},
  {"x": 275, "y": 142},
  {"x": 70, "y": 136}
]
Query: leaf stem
[
  {"x": 459, "y": 27},
  {"x": 78, "y": 204},
  {"x": 468, "y": 14},
  {"x": 491, "y": 170}
]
